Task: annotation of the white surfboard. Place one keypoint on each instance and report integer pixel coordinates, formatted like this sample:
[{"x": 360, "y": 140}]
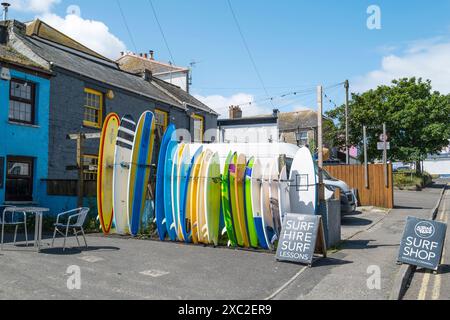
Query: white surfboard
[
  {"x": 303, "y": 184},
  {"x": 283, "y": 194},
  {"x": 273, "y": 195},
  {"x": 122, "y": 159},
  {"x": 268, "y": 225}
]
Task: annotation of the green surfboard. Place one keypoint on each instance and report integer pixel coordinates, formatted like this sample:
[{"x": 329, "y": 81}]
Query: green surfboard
[
  {"x": 234, "y": 201},
  {"x": 248, "y": 205},
  {"x": 226, "y": 205}
]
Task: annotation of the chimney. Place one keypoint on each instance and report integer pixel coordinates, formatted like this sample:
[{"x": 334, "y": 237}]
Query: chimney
[
  {"x": 5, "y": 6},
  {"x": 152, "y": 55},
  {"x": 145, "y": 56},
  {"x": 235, "y": 112},
  {"x": 3, "y": 34},
  {"x": 147, "y": 75}
]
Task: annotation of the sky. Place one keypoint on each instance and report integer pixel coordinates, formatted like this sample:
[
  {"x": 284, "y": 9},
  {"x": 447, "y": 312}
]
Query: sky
[{"x": 295, "y": 45}]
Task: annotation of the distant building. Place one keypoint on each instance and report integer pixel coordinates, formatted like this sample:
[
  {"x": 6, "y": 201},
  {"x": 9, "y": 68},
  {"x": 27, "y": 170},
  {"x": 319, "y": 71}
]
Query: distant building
[
  {"x": 138, "y": 63},
  {"x": 438, "y": 164},
  {"x": 82, "y": 87}
]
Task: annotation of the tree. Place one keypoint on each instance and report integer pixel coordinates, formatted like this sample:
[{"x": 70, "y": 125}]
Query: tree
[{"x": 417, "y": 120}]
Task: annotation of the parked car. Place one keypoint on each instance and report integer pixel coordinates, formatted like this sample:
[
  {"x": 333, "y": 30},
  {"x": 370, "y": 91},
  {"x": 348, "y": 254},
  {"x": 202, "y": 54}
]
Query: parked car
[{"x": 348, "y": 198}]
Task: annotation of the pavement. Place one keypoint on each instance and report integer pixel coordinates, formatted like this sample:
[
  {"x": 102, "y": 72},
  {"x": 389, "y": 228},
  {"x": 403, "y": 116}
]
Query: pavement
[
  {"x": 426, "y": 285},
  {"x": 124, "y": 268},
  {"x": 365, "y": 266}
]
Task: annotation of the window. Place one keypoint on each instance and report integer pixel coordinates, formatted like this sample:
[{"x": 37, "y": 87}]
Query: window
[
  {"x": 22, "y": 101},
  {"x": 93, "y": 108},
  {"x": 302, "y": 138},
  {"x": 198, "y": 129},
  {"x": 161, "y": 118},
  {"x": 90, "y": 164},
  {"x": 19, "y": 179}
]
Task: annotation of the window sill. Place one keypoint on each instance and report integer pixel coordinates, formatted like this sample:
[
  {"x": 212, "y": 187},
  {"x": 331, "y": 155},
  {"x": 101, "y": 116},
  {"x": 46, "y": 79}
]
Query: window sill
[
  {"x": 23, "y": 124},
  {"x": 19, "y": 203}
]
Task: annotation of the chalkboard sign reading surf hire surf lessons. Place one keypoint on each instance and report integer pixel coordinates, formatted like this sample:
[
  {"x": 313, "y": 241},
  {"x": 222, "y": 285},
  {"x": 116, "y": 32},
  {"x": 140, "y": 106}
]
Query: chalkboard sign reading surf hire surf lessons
[
  {"x": 423, "y": 243},
  {"x": 301, "y": 237}
]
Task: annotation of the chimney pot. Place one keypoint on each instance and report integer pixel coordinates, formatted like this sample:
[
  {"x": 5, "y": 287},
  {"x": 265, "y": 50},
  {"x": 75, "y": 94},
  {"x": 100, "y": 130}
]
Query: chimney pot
[
  {"x": 145, "y": 56},
  {"x": 152, "y": 55}
]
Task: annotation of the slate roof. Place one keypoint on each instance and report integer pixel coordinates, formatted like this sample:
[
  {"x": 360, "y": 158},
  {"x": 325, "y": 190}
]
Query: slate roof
[
  {"x": 9, "y": 55},
  {"x": 94, "y": 68},
  {"x": 69, "y": 55},
  {"x": 297, "y": 120},
  {"x": 183, "y": 96}
]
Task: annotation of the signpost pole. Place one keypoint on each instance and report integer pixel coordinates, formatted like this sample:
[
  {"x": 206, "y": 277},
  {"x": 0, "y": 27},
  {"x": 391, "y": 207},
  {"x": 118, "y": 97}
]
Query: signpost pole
[
  {"x": 320, "y": 139},
  {"x": 386, "y": 180},
  {"x": 366, "y": 165}
]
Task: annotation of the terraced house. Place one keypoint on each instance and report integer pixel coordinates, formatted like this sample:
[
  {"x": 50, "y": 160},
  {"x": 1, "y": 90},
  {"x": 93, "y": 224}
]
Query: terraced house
[{"x": 82, "y": 87}]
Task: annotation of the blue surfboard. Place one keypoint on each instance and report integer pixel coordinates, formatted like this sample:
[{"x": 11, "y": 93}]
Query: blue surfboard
[
  {"x": 143, "y": 148},
  {"x": 170, "y": 222},
  {"x": 159, "y": 196},
  {"x": 187, "y": 233}
]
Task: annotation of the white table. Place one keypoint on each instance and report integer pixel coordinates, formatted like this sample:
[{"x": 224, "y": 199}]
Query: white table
[{"x": 38, "y": 213}]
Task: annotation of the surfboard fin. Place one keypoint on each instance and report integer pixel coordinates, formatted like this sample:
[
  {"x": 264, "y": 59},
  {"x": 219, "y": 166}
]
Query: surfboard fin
[
  {"x": 172, "y": 226},
  {"x": 163, "y": 222},
  {"x": 224, "y": 231}
]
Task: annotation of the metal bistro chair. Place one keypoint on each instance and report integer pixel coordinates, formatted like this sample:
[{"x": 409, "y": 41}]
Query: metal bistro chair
[
  {"x": 80, "y": 215},
  {"x": 4, "y": 221}
]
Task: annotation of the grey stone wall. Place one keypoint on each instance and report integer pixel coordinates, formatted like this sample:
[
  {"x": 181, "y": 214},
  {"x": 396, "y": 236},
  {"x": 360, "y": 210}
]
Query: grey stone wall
[{"x": 67, "y": 114}]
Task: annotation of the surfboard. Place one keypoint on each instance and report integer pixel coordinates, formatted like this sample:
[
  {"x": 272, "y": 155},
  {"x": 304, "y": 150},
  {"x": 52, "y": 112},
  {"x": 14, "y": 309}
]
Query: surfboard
[
  {"x": 183, "y": 168},
  {"x": 106, "y": 171},
  {"x": 212, "y": 199},
  {"x": 226, "y": 204},
  {"x": 140, "y": 169},
  {"x": 233, "y": 200},
  {"x": 202, "y": 223},
  {"x": 304, "y": 185},
  {"x": 240, "y": 199},
  {"x": 189, "y": 198},
  {"x": 175, "y": 191},
  {"x": 283, "y": 194},
  {"x": 248, "y": 195},
  {"x": 122, "y": 160},
  {"x": 159, "y": 194},
  {"x": 168, "y": 210},
  {"x": 273, "y": 195},
  {"x": 255, "y": 189},
  {"x": 193, "y": 199},
  {"x": 267, "y": 218}
]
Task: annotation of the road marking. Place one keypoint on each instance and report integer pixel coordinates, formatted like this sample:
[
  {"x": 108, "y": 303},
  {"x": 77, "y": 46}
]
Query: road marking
[
  {"x": 424, "y": 287},
  {"x": 437, "y": 281},
  {"x": 154, "y": 273},
  {"x": 91, "y": 259},
  {"x": 273, "y": 295}
]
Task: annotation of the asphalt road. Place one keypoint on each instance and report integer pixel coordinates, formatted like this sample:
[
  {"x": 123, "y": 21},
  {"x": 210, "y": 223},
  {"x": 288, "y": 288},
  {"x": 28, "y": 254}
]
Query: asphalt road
[
  {"x": 122, "y": 268},
  {"x": 426, "y": 285}
]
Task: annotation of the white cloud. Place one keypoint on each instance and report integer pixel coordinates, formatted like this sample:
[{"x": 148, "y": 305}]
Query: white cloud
[
  {"x": 91, "y": 33},
  {"x": 35, "y": 6},
  {"x": 428, "y": 59},
  {"x": 221, "y": 104}
]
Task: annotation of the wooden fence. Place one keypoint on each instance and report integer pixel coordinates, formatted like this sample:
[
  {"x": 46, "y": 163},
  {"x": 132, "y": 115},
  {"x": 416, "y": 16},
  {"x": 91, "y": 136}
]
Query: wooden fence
[{"x": 377, "y": 194}]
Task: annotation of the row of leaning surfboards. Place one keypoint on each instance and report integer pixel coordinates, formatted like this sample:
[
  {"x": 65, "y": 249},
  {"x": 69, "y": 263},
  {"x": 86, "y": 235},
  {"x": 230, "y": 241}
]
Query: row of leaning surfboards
[{"x": 205, "y": 194}]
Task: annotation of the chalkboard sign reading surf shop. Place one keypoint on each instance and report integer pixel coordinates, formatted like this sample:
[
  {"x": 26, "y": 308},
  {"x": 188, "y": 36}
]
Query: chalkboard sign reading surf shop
[
  {"x": 301, "y": 237},
  {"x": 423, "y": 243}
]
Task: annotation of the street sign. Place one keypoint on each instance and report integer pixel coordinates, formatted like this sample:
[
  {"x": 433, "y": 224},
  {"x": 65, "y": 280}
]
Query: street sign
[
  {"x": 380, "y": 146},
  {"x": 384, "y": 138},
  {"x": 422, "y": 243},
  {"x": 301, "y": 237}
]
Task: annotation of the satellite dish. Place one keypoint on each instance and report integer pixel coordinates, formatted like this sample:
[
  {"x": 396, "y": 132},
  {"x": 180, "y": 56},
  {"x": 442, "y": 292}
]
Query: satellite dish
[{"x": 74, "y": 10}]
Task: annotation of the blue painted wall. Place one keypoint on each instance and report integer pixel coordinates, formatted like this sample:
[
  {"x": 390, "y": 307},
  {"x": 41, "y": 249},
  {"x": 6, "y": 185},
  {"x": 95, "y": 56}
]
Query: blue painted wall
[{"x": 27, "y": 140}]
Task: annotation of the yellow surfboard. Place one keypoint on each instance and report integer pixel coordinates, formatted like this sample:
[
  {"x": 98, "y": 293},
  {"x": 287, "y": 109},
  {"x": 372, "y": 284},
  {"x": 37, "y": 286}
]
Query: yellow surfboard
[
  {"x": 240, "y": 199},
  {"x": 193, "y": 197},
  {"x": 201, "y": 195},
  {"x": 105, "y": 171}
]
